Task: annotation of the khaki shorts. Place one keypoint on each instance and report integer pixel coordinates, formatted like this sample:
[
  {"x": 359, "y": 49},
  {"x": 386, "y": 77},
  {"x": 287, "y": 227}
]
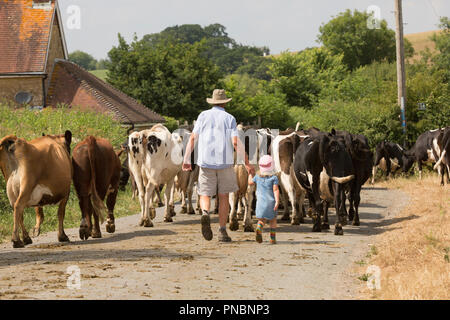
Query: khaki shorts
[{"x": 211, "y": 181}]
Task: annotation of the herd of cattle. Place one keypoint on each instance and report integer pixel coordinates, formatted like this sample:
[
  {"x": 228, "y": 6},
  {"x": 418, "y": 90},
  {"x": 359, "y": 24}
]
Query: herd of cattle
[{"x": 324, "y": 167}]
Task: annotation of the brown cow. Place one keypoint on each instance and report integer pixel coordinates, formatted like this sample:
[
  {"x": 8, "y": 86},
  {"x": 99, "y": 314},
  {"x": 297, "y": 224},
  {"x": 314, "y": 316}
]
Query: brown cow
[
  {"x": 38, "y": 173},
  {"x": 96, "y": 174}
]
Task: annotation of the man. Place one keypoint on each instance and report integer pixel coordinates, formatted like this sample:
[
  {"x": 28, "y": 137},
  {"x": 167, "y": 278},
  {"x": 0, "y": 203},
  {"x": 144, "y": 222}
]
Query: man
[{"x": 216, "y": 133}]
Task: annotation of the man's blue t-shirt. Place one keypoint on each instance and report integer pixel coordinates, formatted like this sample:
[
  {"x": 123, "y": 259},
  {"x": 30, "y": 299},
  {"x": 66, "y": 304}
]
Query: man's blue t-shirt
[{"x": 215, "y": 129}]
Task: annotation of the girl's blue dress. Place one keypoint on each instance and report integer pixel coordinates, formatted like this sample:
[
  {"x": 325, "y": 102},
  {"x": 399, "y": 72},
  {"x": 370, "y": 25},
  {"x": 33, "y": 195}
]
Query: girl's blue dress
[{"x": 265, "y": 198}]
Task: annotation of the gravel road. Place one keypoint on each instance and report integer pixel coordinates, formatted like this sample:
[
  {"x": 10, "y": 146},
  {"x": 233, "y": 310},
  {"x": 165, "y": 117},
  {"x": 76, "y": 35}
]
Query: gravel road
[{"x": 173, "y": 261}]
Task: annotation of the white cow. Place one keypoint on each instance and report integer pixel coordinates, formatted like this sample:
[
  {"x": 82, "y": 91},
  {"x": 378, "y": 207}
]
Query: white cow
[
  {"x": 283, "y": 153},
  {"x": 155, "y": 159}
]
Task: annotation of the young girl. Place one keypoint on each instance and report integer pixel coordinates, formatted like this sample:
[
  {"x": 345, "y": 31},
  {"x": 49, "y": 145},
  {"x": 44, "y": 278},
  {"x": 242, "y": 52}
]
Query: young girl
[{"x": 267, "y": 197}]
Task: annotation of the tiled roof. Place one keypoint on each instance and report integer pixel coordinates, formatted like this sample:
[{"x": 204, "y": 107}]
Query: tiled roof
[
  {"x": 25, "y": 27},
  {"x": 126, "y": 109}
]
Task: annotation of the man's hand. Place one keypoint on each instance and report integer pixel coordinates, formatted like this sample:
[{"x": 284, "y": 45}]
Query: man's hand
[
  {"x": 187, "y": 167},
  {"x": 250, "y": 169}
]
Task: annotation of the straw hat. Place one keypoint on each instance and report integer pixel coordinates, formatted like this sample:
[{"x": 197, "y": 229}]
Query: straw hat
[{"x": 219, "y": 97}]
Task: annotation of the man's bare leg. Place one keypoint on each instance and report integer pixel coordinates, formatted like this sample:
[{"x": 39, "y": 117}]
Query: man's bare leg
[
  {"x": 205, "y": 204},
  {"x": 224, "y": 209}
]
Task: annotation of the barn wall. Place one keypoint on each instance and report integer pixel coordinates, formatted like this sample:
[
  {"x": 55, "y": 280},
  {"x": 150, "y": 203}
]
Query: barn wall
[{"x": 9, "y": 87}]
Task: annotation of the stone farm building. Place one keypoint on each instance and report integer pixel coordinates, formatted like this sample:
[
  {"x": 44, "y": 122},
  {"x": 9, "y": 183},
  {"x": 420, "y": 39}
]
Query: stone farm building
[{"x": 33, "y": 62}]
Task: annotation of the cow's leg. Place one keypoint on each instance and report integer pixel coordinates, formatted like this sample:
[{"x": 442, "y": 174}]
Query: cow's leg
[
  {"x": 250, "y": 197},
  {"x": 318, "y": 206},
  {"x": 325, "y": 223},
  {"x": 149, "y": 210},
  {"x": 351, "y": 201},
  {"x": 19, "y": 207},
  {"x": 168, "y": 197},
  {"x": 441, "y": 173},
  {"x": 158, "y": 197},
  {"x": 240, "y": 207},
  {"x": 297, "y": 218},
  {"x": 183, "y": 202},
  {"x": 388, "y": 168},
  {"x": 419, "y": 165},
  {"x": 285, "y": 199},
  {"x": 234, "y": 224},
  {"x": 110, "y": 204},
  {"x": 374, "y": 172},
  {"x": 199, "y": 209},
  {"x": 357, "y": 200},
  {"x": 85, "y": 225},
  {"x": 248, "y": 225},
  {"x": 189, "y": 198},
  {"x": 36, "y": 231},
  {"x": 62, "y": 237},
  {"x": 96, "y": 232}
]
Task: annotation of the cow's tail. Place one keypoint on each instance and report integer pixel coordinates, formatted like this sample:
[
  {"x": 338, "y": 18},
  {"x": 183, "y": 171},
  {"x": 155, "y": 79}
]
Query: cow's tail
[
  {"x": 440, "y": 160},
  {"x": 443, "y": 153},
  {"x": 97, "y": 203}
]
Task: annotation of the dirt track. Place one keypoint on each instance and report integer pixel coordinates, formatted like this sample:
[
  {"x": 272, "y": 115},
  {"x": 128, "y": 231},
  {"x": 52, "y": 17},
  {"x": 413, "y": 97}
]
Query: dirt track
[{"x": 173, "y": 261}]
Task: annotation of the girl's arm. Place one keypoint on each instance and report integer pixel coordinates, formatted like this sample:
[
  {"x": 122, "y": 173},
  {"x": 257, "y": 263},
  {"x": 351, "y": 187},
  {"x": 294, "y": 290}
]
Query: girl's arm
[{"x": 276, "y": 193}]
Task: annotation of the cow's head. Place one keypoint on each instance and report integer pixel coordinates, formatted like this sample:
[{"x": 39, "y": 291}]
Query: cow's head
[
  {"x": 408, "y": 161},
  {"x": 63, "y": 139},
  {"x": 7, "y": 148},
  {"x": 335, "y": 159}
]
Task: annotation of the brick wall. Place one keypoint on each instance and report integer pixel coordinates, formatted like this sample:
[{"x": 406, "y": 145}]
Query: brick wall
[{"x": 9, "y": 87}]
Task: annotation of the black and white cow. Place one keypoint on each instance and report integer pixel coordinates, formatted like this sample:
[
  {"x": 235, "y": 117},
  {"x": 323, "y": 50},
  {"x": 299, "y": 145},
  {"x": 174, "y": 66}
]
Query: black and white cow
[
  {"x": 389, "y": 157},
  {"x": 425, "y": 150},
  {"x": 444, "y": 159},
  {"x": 362, "y": 158},
  {"x": 324, "y": 168}
]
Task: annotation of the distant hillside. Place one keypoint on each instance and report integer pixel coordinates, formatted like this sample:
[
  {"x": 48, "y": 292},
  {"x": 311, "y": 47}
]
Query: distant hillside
[{"x": 420, "y": 41}]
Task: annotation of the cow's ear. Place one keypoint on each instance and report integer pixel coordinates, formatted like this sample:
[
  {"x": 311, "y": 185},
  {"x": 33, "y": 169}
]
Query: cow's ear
[
  {"x": 295, "y": 140},
  {"x": 68, "y": 137},
  {"x": 333, "y": 132},
  {"x": 9, "y": 145}
]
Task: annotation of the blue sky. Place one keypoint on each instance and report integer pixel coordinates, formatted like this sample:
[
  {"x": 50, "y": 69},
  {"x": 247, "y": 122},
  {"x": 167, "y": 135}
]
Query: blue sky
[{"x": 281, "y": 25}]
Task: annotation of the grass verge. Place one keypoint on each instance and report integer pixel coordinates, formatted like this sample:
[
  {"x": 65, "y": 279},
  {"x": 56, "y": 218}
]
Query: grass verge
[{"x": 414, "y": 255}]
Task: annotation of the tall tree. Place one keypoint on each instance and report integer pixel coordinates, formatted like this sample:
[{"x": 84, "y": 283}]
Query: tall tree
[
  {"x": 348, "y": 34},
  {"x": 170, "y": 78}
]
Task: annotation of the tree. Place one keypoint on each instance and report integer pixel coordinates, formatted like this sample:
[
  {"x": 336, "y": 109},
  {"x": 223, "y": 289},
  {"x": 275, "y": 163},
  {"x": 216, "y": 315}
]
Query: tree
[
  {"x": 348, "y": 34},
  {"x": 170, "y": 78},
  {"x": 442, "y": 41},
  {"x": 302, "y": 76},
  {"x": 219, "y": 47},
  {"x": 83, "y": 59}
]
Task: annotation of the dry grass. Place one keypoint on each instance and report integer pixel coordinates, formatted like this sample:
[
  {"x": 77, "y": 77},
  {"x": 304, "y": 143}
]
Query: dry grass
[
  {"x": 420, "y": 41},
  {"x": 414, "y": 255}
]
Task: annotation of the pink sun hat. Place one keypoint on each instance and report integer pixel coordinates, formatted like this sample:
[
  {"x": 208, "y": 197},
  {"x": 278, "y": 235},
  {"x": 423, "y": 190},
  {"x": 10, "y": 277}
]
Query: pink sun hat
[{"x": 266, "y": 164}]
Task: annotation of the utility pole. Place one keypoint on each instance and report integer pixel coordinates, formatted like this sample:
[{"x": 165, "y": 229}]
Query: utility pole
[{"x": 401, "y": 75}]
